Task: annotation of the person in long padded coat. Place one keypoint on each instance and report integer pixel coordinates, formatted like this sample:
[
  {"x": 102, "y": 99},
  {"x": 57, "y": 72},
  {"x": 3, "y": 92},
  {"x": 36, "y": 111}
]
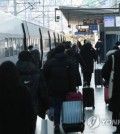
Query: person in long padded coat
[
  {"x": 17, "y": 115},
  {"x": 59, "y": 75},
  {"x": 89, "y": 56},
  {"x": 114, "y": 104}
]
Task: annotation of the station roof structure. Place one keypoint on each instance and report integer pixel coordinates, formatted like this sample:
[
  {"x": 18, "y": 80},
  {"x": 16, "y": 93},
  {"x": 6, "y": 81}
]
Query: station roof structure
[{"x": 75, "y": 15}]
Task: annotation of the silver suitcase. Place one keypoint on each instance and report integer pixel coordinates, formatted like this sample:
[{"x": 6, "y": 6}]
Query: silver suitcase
[{"x": 73, "y": 116}]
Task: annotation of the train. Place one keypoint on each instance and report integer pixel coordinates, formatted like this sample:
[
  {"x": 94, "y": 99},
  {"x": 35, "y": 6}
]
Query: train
[{"x": 17, "y": 34}]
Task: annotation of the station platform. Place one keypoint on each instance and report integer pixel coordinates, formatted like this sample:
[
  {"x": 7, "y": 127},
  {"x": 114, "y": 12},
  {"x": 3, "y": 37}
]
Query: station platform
[{"x": 97, "y": 121}]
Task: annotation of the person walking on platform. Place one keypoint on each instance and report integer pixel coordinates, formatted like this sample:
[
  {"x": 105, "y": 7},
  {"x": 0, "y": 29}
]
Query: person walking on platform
[
  {"x": 59, "y": 75},
  {"x": 17, "y": 115},
  {"x": 89, "y": 55},
  {"x": 33, "y": 79},
  {"x": 36, "y": 56},
  {"x": 77, "y": 59},
  {"x": 114, "y": 105},
  {"x": 115, "y": 48},
  {"x": 99, "y": 49}
]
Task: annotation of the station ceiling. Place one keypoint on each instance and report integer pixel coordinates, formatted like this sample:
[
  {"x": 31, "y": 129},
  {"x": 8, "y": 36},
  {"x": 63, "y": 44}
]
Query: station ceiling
[{"x": 77, "y": 15}]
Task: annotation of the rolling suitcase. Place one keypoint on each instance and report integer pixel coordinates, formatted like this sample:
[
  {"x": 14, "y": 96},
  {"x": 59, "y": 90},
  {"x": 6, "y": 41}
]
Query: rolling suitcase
[
  {"x": 73, "y": 116},
  {"x": 72, "y": 96},
  {"x": 98, "y": 77},
  {"x": 88, "y": 97}
]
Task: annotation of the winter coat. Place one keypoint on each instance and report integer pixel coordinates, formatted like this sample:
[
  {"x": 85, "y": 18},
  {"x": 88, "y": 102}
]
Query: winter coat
[
  {"x": 89, "y": 56},
  {"x": 16, "y": 111},
  {"x": 36, "y": 58},
  {"x": 38, "y": 89},
  {"x": 99, "y": 47},
  {"x": 114, "y": 101},
  {"x": 77, "y": 59},
  {"x": 59, "y": 74}
]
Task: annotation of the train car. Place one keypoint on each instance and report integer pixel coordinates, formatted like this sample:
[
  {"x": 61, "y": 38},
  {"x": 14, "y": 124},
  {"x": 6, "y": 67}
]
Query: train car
[{"x": 17, "y": 34}]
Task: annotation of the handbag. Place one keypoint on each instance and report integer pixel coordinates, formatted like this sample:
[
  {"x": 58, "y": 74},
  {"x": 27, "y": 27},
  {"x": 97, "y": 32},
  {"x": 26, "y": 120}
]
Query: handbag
[
  {"x": 44, "y": 126},
  {"x": 111, "y": 80}
]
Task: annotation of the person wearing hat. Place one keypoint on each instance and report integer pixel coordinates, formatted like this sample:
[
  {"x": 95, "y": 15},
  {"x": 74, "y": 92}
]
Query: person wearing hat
[{"x": 59, "y": 76}]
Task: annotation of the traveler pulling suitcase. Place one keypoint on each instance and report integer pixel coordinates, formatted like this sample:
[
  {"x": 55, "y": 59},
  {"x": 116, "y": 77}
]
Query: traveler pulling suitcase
[
  {"x": 88, "y": 97},
  {"x": 73, "y": 115}
]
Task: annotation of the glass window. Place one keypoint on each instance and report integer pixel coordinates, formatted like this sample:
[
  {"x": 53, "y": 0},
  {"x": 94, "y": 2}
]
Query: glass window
[
  {"x": 7, "y": 52},
  {"x": 10, "y": 46}
]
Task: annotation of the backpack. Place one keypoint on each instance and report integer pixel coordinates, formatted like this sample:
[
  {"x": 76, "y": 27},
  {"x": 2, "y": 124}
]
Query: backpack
[{"x": 31, "y": 81}]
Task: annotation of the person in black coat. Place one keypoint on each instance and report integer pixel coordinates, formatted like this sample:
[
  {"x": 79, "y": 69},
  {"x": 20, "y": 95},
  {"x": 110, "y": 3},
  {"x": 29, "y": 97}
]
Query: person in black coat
[
  {"x": 32, "y": 77},
  {"x": 114, "y": 104},
  {"x": 17, "y": 115},
  {"x": 99, "y": 50},
  {"x": 59, "y": 74},
  {"x": 77, "y": 60},
  {"x": 89, "y": 55}
]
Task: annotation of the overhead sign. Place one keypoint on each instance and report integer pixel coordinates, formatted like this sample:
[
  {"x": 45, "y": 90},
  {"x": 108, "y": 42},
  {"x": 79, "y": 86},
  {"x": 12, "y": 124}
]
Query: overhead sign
[
  {"x": 117, "y": 21},
  {"x": 109, "y": 21},
  {"x": 89, "y": 22},
  {"x": 93, "y": 27}
]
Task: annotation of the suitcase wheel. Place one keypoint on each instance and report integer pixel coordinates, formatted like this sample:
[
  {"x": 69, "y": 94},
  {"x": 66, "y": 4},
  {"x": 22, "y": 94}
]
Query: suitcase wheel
[{"x": 82, "y": 128}]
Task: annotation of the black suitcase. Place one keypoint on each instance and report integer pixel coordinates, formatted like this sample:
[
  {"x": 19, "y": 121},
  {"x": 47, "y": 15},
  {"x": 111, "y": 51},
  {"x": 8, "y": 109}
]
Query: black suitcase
[
  {"x": 88, "y": 97},
  {"x": 98, "y": 77}
]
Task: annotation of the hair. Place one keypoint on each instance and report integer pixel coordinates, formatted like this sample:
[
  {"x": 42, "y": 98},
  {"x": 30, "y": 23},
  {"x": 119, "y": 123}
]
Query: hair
[
  {"x": 117, "y": 43},
  {"x": 30, "y": 47},
  {"x": 60, "y": 48},
  {"x": 9, "y": 75},
  {"x": 51, "y": 54},
  {"x": 25, "y": 56}
]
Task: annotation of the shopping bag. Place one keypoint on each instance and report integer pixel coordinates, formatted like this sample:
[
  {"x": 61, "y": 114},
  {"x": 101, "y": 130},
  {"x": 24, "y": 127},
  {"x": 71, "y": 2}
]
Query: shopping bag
[
  {"x": 44, "y": 126},
  {"x": 47, "y": 127}
]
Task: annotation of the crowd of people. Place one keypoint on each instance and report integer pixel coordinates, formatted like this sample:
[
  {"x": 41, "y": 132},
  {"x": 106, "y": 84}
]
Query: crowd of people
[{"x": 29, "y": 89}]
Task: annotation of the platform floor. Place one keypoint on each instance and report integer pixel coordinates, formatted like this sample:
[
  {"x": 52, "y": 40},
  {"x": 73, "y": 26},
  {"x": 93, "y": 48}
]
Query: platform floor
[{"x": 97, "y": 121}]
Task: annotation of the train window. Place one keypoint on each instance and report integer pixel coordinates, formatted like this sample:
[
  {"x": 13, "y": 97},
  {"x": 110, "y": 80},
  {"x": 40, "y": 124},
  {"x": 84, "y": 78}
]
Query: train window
[
  {"x": 52, "y": 43},
  {"x": 6, "y": 48},
  {"x": 14, "y": 47},
  {"x": 28, "y": 42},
  {"x": 46, "y": 45},
  {"x": 19, "y": 45},
  {"x": 2, "y": 46},
  {"x": 10, "y": 46}
]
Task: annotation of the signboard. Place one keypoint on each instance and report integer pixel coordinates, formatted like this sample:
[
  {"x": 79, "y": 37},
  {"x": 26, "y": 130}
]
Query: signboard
[
  {"x": 117, "y": 21},
  {"x": 93, "y": 27},
  {"x": 109, "y": 21},
  {"x": 89, "y": 22}
]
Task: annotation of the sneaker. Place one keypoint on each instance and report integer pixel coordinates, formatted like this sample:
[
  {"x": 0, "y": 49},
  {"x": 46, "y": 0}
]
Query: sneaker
[{"x": 56, "y": 129}]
